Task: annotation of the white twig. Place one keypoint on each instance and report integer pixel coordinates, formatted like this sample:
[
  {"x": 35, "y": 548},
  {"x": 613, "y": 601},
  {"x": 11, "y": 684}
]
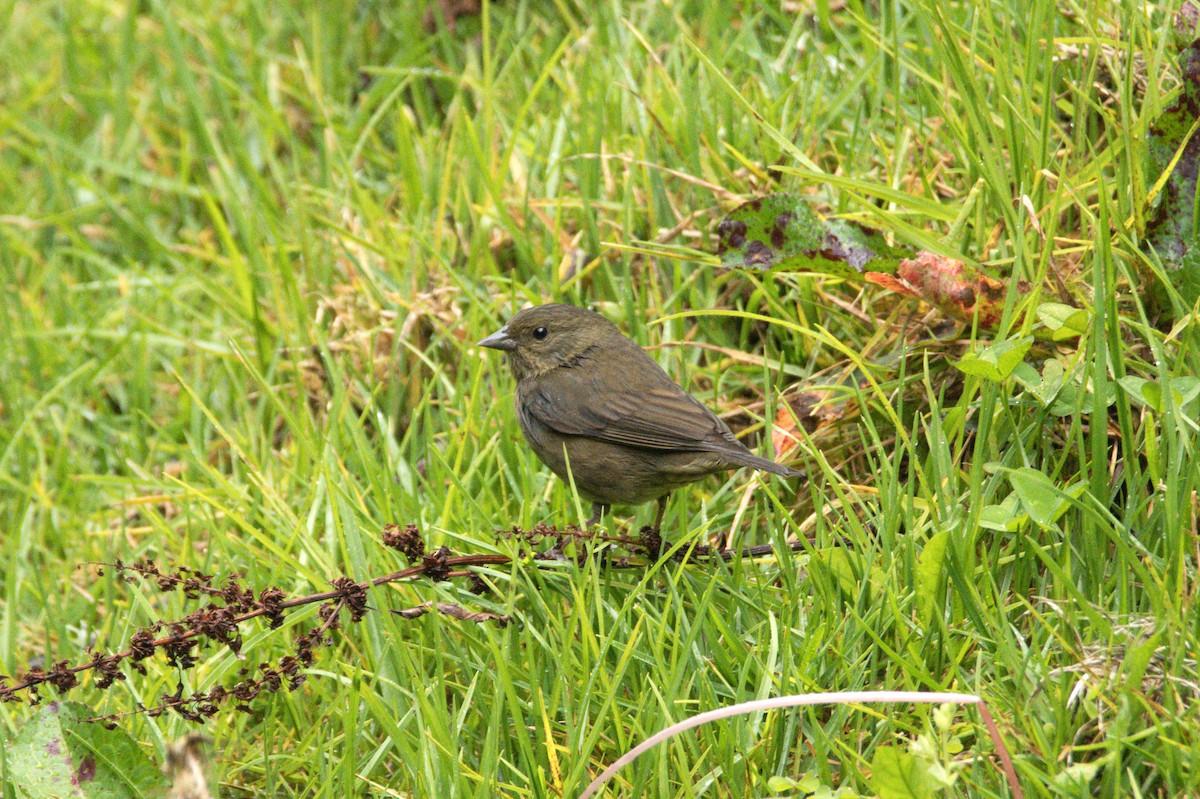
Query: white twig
[{"x": 798, "y": 700}]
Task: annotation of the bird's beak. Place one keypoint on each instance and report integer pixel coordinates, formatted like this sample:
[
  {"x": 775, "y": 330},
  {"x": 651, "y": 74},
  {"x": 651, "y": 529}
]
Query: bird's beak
[{"x": 499, "y": 340}]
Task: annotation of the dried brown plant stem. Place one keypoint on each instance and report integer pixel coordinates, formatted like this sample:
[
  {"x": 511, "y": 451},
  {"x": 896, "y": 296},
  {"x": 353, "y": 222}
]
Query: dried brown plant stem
[{"x": 438, "y": 565}]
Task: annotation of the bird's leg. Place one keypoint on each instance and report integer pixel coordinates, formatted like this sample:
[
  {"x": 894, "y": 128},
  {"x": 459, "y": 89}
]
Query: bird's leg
[
  {"x": 651, "y": 539},
  {"x": 662, "y": 510},
  {"x": 599, "y": 509}
]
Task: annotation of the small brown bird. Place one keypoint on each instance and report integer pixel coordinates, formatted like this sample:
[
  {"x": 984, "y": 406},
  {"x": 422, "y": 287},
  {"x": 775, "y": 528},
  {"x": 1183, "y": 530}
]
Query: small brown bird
[{"x": 597, "y": 409}]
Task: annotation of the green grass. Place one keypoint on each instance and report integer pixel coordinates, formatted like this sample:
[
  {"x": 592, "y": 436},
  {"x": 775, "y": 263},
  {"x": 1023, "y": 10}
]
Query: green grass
[{"x": 247, "y": 250}]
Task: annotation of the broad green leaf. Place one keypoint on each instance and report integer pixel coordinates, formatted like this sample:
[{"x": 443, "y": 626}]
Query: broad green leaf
[
  {"x": 1150, "y": 393},
  {"x": 896, "y": 774},
  {"x": 58, "y": 753},
  {"x": 1048, "y": 388},
  {"x": 1063, "y": 321},
  {"x": 1076, "y": 777},
  {"x": 1006, "y": 517},
  {"x": 1185, "y": 389},
  {"x": 1027, "y": 375},
  {"x": 996, "y": 361},
  {"x": 1044, "y": 501},
  {"x": 1136, "y": 388},
  {"x": 930, "y": 565},
  {"x": 846, "y": 568},
  {"x": 776, "y": 784},
  {"x": 1052, "y": 383},
  {"x": 798, "y": 785},
  {"x": 782, "y": 233},
  {"x": 808, "y": 783},
  {"x": 1038, "y": 495}
]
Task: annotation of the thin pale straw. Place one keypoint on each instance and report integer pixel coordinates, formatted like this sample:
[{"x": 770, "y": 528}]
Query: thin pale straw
[{"x": 797, "y": 700}]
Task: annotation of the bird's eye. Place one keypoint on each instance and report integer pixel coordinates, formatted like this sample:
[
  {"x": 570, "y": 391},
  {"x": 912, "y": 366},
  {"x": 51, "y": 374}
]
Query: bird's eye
[{"x": 540, "y": 333}]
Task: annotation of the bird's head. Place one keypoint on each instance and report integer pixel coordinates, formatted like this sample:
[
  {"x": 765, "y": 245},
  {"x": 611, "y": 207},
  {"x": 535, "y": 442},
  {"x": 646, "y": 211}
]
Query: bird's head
[{"x": 545, "y": 337}]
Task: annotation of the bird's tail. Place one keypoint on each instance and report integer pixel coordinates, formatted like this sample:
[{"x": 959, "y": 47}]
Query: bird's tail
[{"x": 764, "y": 465}]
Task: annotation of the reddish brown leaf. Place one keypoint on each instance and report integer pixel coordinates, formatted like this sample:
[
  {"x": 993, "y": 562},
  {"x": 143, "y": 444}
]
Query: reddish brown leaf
[
  {"x": 954, "y": 287},
  {"x": 891, "y": 283}
]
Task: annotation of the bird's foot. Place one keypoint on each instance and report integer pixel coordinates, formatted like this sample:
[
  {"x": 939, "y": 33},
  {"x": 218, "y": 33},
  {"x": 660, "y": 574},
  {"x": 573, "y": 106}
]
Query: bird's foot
[{"x": 599, "y": 510}]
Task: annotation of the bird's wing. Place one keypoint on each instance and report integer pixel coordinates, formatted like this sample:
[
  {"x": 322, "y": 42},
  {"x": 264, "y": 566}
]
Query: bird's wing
[{"x": 646, "y": 411}]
